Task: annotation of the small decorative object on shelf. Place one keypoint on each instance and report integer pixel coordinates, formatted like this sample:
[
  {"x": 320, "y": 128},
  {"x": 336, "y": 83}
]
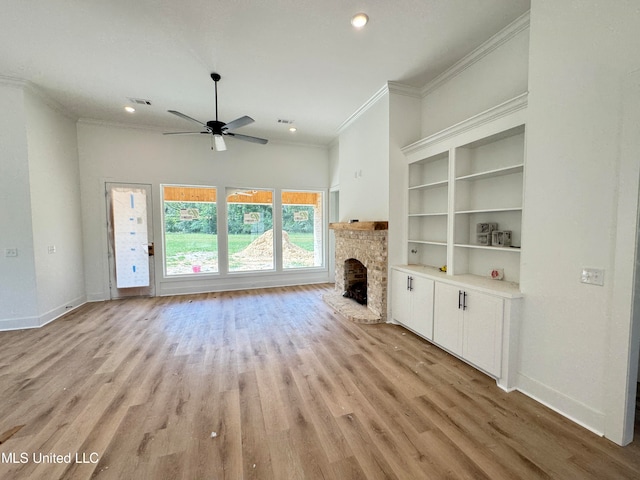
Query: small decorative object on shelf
[
  {"x": 483, "y": 232},
  {"x": 497, "y": 274},
  {"x": 443, "y": 268},
  {"x": 483, "y": 239},
  {"x": 354, "y": 220},
  {"x": 501, "y": 238}
]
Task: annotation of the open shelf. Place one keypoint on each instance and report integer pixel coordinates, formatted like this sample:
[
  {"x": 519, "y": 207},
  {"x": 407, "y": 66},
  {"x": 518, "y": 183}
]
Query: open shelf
[
  {"x": 428, "y": 242},
  {"x": 469, "y": 174},
  {"x": 442, "y": 183},
  {"x": 498, "y": 172},
  {"x": 490, "y": 210},
  {"x": 488, "y": 247}
]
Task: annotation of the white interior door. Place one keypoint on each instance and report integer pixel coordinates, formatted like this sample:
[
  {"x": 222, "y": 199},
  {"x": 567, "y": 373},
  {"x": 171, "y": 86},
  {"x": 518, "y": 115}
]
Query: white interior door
[{"x": 130, "y": 240}]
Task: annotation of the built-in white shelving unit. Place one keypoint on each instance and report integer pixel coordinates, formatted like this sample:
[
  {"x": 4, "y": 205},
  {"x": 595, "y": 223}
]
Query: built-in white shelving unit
[{"x": 470, "y": 173}]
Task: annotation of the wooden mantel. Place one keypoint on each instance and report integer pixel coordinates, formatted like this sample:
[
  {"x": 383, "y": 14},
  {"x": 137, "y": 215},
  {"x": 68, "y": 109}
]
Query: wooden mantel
[{"x": 360, "y": 226}]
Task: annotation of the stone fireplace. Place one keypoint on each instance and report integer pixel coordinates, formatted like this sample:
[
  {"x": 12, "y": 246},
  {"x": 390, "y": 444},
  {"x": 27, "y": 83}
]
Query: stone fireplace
[{"x": 361, "y": 256}]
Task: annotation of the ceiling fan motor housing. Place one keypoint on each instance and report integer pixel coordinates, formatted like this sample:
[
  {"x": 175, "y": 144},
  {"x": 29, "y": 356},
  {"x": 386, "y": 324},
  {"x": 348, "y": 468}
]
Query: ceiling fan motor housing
[{"x": 215, "y": 126}]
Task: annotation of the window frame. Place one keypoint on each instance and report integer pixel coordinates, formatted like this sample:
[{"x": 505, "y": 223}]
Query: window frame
[
  {"x": 323, "y": 228},
  {"x": 190, "y": 275}
]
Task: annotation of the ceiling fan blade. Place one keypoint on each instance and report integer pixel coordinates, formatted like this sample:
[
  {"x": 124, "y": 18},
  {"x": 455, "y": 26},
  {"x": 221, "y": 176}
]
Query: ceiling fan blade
[
  {"x": 247, "y": 138},
  {"x": 187, "y": 117},
  {"x": 238, "y": 122},
  {"x": 187, "y": 133}
]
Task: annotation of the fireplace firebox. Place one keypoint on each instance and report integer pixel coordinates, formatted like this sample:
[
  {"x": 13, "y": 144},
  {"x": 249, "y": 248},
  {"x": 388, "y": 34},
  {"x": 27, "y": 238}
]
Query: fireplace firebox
[{"x": 355, "y": 281}]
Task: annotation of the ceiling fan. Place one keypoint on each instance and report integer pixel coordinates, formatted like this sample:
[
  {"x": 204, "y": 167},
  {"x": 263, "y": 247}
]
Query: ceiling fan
[{"x": 218, "y": 129}]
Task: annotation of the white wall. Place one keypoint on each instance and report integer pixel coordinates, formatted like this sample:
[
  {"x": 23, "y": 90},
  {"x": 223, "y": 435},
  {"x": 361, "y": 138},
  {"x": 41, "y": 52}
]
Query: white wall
[
  {"x": 40, "y": 193},
  {"x": 364, "y": 164},
  {"x": 404, "y": 129},
  {"x": 55, "y": 201},
  {"x": 115, "y": 154},
  {"x": 18, "y": 299},
  {"x": 580, "y": 54},
  {"x": 494, "y": 73},
  {"x": 334, "y": 165}
]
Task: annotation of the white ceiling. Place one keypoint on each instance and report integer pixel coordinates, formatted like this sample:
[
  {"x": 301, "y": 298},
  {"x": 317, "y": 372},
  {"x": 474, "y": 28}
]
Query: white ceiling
[{"x": 290, "y": 59}]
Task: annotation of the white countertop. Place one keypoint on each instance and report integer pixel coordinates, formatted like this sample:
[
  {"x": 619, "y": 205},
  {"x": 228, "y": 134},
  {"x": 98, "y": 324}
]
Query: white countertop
[{"x": 483, "y": 284}]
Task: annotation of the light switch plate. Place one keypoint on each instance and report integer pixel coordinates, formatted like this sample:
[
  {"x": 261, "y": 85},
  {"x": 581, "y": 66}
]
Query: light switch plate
[{"x": 592, "y": 276}]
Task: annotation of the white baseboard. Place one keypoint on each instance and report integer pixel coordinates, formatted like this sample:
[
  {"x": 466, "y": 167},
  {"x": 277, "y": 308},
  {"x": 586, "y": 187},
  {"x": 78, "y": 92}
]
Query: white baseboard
[
  {"x": 233, "y": 282},
  {"x": 41, "y": 320},
  {"x": 568, "y": 407}
]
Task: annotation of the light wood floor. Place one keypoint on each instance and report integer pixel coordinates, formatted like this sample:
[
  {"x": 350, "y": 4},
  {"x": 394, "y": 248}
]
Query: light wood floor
[{"x": 291, "y": 390}]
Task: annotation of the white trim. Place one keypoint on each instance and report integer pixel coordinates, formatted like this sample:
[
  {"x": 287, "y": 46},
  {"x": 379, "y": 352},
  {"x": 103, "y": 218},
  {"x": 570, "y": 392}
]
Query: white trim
[
  {"x": 403, "y": 89},
  {"x": 390, "y": 87},
  {"x": 32, "y": 88},
  {"x": 44, "y": 319},
  {"x": 621, "y": 363},
  {"x": 247, "y": 282},
  {"x": 155, "y": 129},
  {"x": 503, "y": 36},
  {"x": 494, "y": 113},
  {"x": 583, "y": 415},
  {"x": 363, "y": 108}
]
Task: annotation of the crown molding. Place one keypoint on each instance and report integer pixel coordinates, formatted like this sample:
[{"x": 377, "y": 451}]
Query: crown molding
[
  {"x": 503, "y": 36},
  {"x": 13, "y": 81},
  {"x": 390, "y": 87},
  {"x": 155, "y": 129},
  {"x": 122, "y": 125},
  {"x": 33, "y": 89},
  {"x": 403, "y": 89},
  {"x": 363, "y": 108},
  {"x": 506, "y": 108}
]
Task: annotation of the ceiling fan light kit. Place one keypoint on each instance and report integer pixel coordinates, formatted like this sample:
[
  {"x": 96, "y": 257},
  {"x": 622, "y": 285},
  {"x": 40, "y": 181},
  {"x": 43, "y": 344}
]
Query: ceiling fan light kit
[{"x": 218, "y": 129}]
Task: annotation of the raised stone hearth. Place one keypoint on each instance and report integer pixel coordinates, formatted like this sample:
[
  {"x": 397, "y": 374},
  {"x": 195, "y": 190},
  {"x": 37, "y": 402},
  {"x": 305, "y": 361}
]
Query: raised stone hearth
[{"x": 367, "y": 243}]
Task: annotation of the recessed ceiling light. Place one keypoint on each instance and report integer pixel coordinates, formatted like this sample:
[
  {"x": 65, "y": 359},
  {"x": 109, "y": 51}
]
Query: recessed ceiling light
[
  {"x": 359, "y": 20},
  {"x": 292, "y": 129},
  {"x": 129, "y": 109}
]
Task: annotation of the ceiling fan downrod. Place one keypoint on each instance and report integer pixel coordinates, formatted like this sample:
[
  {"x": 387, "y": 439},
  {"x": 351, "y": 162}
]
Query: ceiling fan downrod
[{"x": 216, "y": 78}]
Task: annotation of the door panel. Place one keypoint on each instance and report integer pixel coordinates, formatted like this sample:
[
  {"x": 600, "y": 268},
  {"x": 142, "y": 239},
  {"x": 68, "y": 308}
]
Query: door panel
[
  {"x": 130, "y": 240},
  {"x": 422, "y": 305},
  {"x": 483, "y": 331},
  {"x": 447, "y": 318}
]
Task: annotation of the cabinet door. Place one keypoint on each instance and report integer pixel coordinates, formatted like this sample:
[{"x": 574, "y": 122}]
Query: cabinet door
[
  {"x": 483, "y": 319},
  {"x": 447, "y": 318},
  {"x": 421, "y": 316},
  {"x": 399, "y": 296}
]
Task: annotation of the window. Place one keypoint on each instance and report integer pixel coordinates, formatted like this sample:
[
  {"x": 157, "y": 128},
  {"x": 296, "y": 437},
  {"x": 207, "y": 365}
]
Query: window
[
  {"x": 250, "y": 229},
  {"x": 302, "y": 229},
  {"x": 190, "y": 230}
]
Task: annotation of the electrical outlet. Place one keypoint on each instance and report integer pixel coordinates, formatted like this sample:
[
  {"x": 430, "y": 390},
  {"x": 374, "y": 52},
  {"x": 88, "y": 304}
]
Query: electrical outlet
[
  {"x": 51, "y": 249},
  {"x": 10, "y": 252},
  {"x": 592, "y": 276}
]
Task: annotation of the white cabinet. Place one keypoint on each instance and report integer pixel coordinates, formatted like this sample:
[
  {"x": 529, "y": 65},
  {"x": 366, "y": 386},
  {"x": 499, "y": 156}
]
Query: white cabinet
[
  {"x": 412, "y": 302},
  {"x": 468, "y": 323},
  {"x": 447, "y": 325},
  {"x": 474, "y": 318}
]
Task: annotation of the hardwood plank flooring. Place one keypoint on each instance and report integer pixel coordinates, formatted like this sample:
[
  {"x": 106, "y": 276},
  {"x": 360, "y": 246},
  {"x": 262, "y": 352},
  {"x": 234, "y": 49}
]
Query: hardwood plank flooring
[{"x": 268, "y": 384}]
